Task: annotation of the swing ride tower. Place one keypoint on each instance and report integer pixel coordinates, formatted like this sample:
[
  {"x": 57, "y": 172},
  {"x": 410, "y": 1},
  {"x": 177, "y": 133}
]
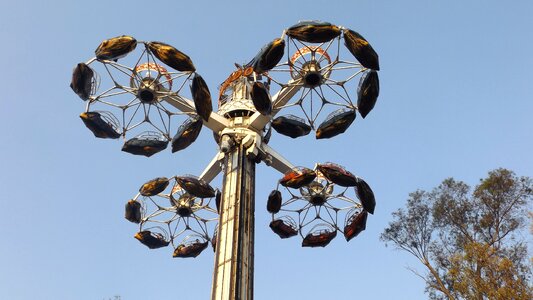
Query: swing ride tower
[{"x": 306, "y": 71}]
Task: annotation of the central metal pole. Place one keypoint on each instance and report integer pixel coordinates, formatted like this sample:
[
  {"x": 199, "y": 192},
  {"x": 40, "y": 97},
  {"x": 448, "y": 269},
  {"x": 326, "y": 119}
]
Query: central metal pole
[{"x": 234, "y": 258}]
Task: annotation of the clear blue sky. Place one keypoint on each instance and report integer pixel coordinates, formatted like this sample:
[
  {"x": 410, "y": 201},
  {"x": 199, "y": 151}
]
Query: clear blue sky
[{"x": 456, "y": 100}]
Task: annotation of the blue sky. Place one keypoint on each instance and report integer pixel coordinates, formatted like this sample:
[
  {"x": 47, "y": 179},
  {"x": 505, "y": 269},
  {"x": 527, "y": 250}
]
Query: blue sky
[{"x": 455, "y": 101}]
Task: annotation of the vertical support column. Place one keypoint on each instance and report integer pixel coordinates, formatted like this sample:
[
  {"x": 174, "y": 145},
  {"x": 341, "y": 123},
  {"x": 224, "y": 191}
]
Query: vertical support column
[{"x": 234, "y": 258}]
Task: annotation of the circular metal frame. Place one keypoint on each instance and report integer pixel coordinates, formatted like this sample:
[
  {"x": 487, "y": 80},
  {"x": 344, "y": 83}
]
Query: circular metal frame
[
  {"x": 134, "y": 89},
  {"x": 179, "y": 217},
  {"x": 320, "y": 208},
  {"x": 327, "y": 73}
]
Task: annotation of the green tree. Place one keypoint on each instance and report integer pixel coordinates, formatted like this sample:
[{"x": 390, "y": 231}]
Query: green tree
[{"x": 469, "y": 241}]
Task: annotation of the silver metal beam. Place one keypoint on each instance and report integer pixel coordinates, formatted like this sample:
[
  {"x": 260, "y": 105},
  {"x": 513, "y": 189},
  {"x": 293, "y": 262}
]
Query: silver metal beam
[
  {"x": 216, "y": 122},
  {"x": 274, "y": 159},
  {"x": 213, "y": 168}
]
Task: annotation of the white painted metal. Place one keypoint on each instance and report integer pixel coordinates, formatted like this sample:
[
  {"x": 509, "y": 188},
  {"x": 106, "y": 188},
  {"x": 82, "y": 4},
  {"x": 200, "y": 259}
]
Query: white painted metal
[
  {"x": 216, "y": 122},
  {"x": 274, "y": 159},
  {"x": 234, "y": 257},
  {"x": 213, "y": 168}
]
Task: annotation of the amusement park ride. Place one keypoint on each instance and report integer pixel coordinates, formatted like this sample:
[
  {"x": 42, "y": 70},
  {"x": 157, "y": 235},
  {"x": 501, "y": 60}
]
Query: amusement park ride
[{"x": 145, "y": 93}]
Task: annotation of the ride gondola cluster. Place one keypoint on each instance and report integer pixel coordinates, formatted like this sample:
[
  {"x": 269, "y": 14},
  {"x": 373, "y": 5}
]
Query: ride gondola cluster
[
  {"x": 180, "y": 211},
  {"x": 323, "y": 63},
  {"x": 130, "y": 102},
  {"x": 315, "y": 203},
  {"x": 324, "y": 70},
  {"x": 317, "y": 63}
]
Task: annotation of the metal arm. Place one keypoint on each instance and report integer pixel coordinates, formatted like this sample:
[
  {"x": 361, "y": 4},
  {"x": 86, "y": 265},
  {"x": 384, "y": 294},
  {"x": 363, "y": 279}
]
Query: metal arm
[
  {"x": 274, "y": 159},
  {"x": 213, "y": 168},
  {"x": 216, "y": 122}
]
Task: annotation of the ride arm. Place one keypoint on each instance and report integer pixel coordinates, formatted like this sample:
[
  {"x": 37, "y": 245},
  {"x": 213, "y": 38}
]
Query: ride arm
[
  {"x": 216, "y": 122},
  {"x": 274, "y": 159},
  {"x": 213, "y": 168}
]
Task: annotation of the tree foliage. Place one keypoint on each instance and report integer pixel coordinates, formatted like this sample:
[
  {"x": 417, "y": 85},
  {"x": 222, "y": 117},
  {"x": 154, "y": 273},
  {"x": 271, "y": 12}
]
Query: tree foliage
[{"x": 471, "y": 242}]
